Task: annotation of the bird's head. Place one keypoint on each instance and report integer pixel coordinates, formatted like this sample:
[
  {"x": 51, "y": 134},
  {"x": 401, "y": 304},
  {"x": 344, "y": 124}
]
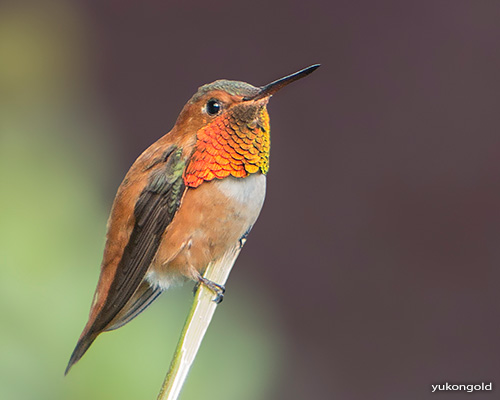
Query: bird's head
[{"x": 226, "y": 123}]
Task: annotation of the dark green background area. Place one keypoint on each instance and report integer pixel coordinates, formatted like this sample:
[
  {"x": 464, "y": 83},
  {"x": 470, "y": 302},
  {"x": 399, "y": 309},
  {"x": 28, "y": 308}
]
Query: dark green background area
[{"x": 373, "y": 269}]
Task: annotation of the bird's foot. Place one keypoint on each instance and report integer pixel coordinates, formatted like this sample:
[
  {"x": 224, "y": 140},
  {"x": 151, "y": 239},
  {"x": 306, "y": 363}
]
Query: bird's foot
[{"x": 219, "y": 290}]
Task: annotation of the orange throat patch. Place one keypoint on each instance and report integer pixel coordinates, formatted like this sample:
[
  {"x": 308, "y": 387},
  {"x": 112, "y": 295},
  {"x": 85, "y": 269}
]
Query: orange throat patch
[{"x": 228, "y": 146}]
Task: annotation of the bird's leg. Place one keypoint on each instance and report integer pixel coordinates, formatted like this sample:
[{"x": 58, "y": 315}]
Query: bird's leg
[{"x": 219, "y": 290}]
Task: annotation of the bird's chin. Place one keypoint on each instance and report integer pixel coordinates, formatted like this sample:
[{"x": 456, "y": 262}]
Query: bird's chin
[{"x": 262, "y": 102}]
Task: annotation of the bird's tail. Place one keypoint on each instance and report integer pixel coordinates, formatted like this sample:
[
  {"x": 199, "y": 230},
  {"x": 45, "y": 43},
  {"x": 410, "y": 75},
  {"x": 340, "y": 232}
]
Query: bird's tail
[{"x": 81, "y": 348}]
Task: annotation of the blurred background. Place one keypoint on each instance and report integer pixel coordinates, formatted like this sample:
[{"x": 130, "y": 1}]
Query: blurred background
[{"x": 373, "y": 271}]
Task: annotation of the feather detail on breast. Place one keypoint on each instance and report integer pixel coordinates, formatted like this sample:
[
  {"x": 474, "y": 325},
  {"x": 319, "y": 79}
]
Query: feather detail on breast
[{"x": 213, "y": 217}]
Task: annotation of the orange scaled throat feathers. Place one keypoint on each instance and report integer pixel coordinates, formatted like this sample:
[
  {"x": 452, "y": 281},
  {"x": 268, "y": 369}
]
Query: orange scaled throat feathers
[{"x": 231, "y": 146}]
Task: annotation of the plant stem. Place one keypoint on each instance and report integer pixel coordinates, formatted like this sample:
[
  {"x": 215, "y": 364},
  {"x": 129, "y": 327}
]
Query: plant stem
[{"x": 196, "y": 326}]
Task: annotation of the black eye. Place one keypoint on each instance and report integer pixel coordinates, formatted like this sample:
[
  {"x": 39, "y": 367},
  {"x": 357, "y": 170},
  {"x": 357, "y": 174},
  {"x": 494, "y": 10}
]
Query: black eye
[{"x": 213, "y": 107}]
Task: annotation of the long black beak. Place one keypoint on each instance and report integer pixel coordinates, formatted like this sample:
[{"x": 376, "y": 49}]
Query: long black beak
[{"x": 273, "y": 87}]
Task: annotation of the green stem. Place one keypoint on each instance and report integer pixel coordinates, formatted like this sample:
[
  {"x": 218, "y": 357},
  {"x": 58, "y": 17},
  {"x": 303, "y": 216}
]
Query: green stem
[{"x": 196, "y": 326}]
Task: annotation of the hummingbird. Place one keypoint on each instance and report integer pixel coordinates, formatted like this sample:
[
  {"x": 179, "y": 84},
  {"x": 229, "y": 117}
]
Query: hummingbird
[{"x": 188, "y": 199}]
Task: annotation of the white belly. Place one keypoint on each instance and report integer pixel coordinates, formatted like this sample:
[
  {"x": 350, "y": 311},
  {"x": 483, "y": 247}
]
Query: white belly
[{"x": 250, "y": 191}]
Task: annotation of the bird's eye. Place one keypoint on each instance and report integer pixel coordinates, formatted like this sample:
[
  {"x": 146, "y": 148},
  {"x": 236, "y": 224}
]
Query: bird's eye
[{"x": 213, "y": 107}]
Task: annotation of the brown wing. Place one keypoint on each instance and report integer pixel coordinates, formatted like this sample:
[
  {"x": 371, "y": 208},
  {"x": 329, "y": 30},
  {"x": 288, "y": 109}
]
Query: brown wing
[
  {"x": 153, "y": 212},
  {"x": 141, "y": 299}
]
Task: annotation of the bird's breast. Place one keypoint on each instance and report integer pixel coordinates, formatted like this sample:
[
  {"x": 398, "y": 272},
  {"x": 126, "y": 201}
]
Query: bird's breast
[
  {"x": 211, "y": 220},
  {"x": 249, "y": 192}
]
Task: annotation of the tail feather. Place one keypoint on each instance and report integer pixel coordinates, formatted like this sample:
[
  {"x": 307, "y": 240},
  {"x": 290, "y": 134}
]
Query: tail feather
[
  {"x": 141, "y": 299},
  {"x": 81, "y": 348}
]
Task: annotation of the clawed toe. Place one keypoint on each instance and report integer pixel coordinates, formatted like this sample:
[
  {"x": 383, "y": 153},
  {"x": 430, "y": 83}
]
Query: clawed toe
[{"x": 219, "y": 290}]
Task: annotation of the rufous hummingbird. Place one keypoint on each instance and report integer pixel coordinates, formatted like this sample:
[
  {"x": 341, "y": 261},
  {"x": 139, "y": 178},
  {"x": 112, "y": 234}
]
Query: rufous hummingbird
[{"x": 191, "y": 197}]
